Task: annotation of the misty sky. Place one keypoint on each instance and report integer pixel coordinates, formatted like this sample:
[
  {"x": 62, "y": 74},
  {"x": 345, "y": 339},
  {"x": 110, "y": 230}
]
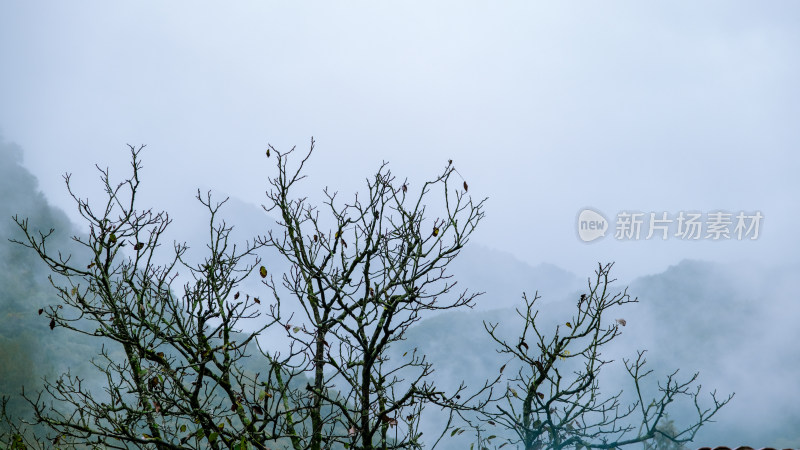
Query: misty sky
[{"x": 546, "y": 108}]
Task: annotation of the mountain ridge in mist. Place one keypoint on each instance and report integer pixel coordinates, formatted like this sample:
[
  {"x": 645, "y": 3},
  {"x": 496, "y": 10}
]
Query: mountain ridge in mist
[
  {"x": 29, "y": 350},
  {"x": 727, "y": 321},
  {"x": 723, "y": 320}
]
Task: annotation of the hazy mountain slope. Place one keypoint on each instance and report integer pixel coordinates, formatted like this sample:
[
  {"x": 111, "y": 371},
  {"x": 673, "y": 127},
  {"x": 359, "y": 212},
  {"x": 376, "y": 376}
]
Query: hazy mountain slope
[
  {"x": 29, "y": 350},
  {"x": 503, "y": 278},
  {"x": 725, "y": 321},
  {"x": 729, "y": 322}
]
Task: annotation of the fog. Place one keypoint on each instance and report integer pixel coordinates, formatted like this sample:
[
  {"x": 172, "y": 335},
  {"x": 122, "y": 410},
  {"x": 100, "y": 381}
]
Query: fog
[{"x": 546, "y": 108}]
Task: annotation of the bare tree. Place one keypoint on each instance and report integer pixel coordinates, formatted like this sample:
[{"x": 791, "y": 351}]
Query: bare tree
[
  {"x": 553, "y": 400},
  {"x": 172, "y": 363},
  {"x": 362, "y": 281},
  {"x": 180, "y": 372}
]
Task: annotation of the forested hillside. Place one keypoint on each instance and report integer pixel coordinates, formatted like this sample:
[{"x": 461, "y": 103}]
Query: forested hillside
[
  {"x": 726, "y": 321},
  {"x": 29, "y": 350}
]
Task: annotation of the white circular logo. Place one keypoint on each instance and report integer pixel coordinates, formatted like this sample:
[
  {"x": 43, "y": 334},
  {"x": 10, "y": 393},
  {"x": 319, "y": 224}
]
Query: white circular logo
[{"x": 591, "y": 225}]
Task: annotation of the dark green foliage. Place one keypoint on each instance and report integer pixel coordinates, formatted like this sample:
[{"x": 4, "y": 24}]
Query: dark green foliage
[{"x": 25, "y": 356}]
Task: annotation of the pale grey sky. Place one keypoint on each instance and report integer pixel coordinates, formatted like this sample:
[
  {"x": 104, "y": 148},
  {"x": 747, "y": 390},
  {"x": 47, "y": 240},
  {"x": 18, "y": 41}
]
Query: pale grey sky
[{"x": 546, "y": 107}]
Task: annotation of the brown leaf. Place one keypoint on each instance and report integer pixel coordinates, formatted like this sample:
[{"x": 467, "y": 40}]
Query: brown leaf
[
  {"x": 344, "y": 244},
  {"x": 622, "y": 322},
  {"x": 52, "y": 323},
  {"x": 41, "y": 310},
  {"x": 405, "y": 187},
  {"x": 540, "y": 395},
  {"x": 466, "y": 188},
  {"x": 390, "y": 420},
  {"x": 255, "y": 299},
  {"x": 257, "y": 409},
  {"x": 267, "y": 153},
  {"x": 523, "y": 344},
  {"x": 138, "y": 246},
  {"x": 236, "y": 296}
]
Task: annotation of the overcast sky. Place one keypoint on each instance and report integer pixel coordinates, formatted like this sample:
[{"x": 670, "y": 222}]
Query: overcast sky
[{"x": 546, "y": 108}]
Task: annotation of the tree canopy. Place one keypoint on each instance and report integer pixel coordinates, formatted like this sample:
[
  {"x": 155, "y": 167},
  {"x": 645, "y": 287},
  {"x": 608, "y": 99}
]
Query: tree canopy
[{"x": 187, "y": 366}]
